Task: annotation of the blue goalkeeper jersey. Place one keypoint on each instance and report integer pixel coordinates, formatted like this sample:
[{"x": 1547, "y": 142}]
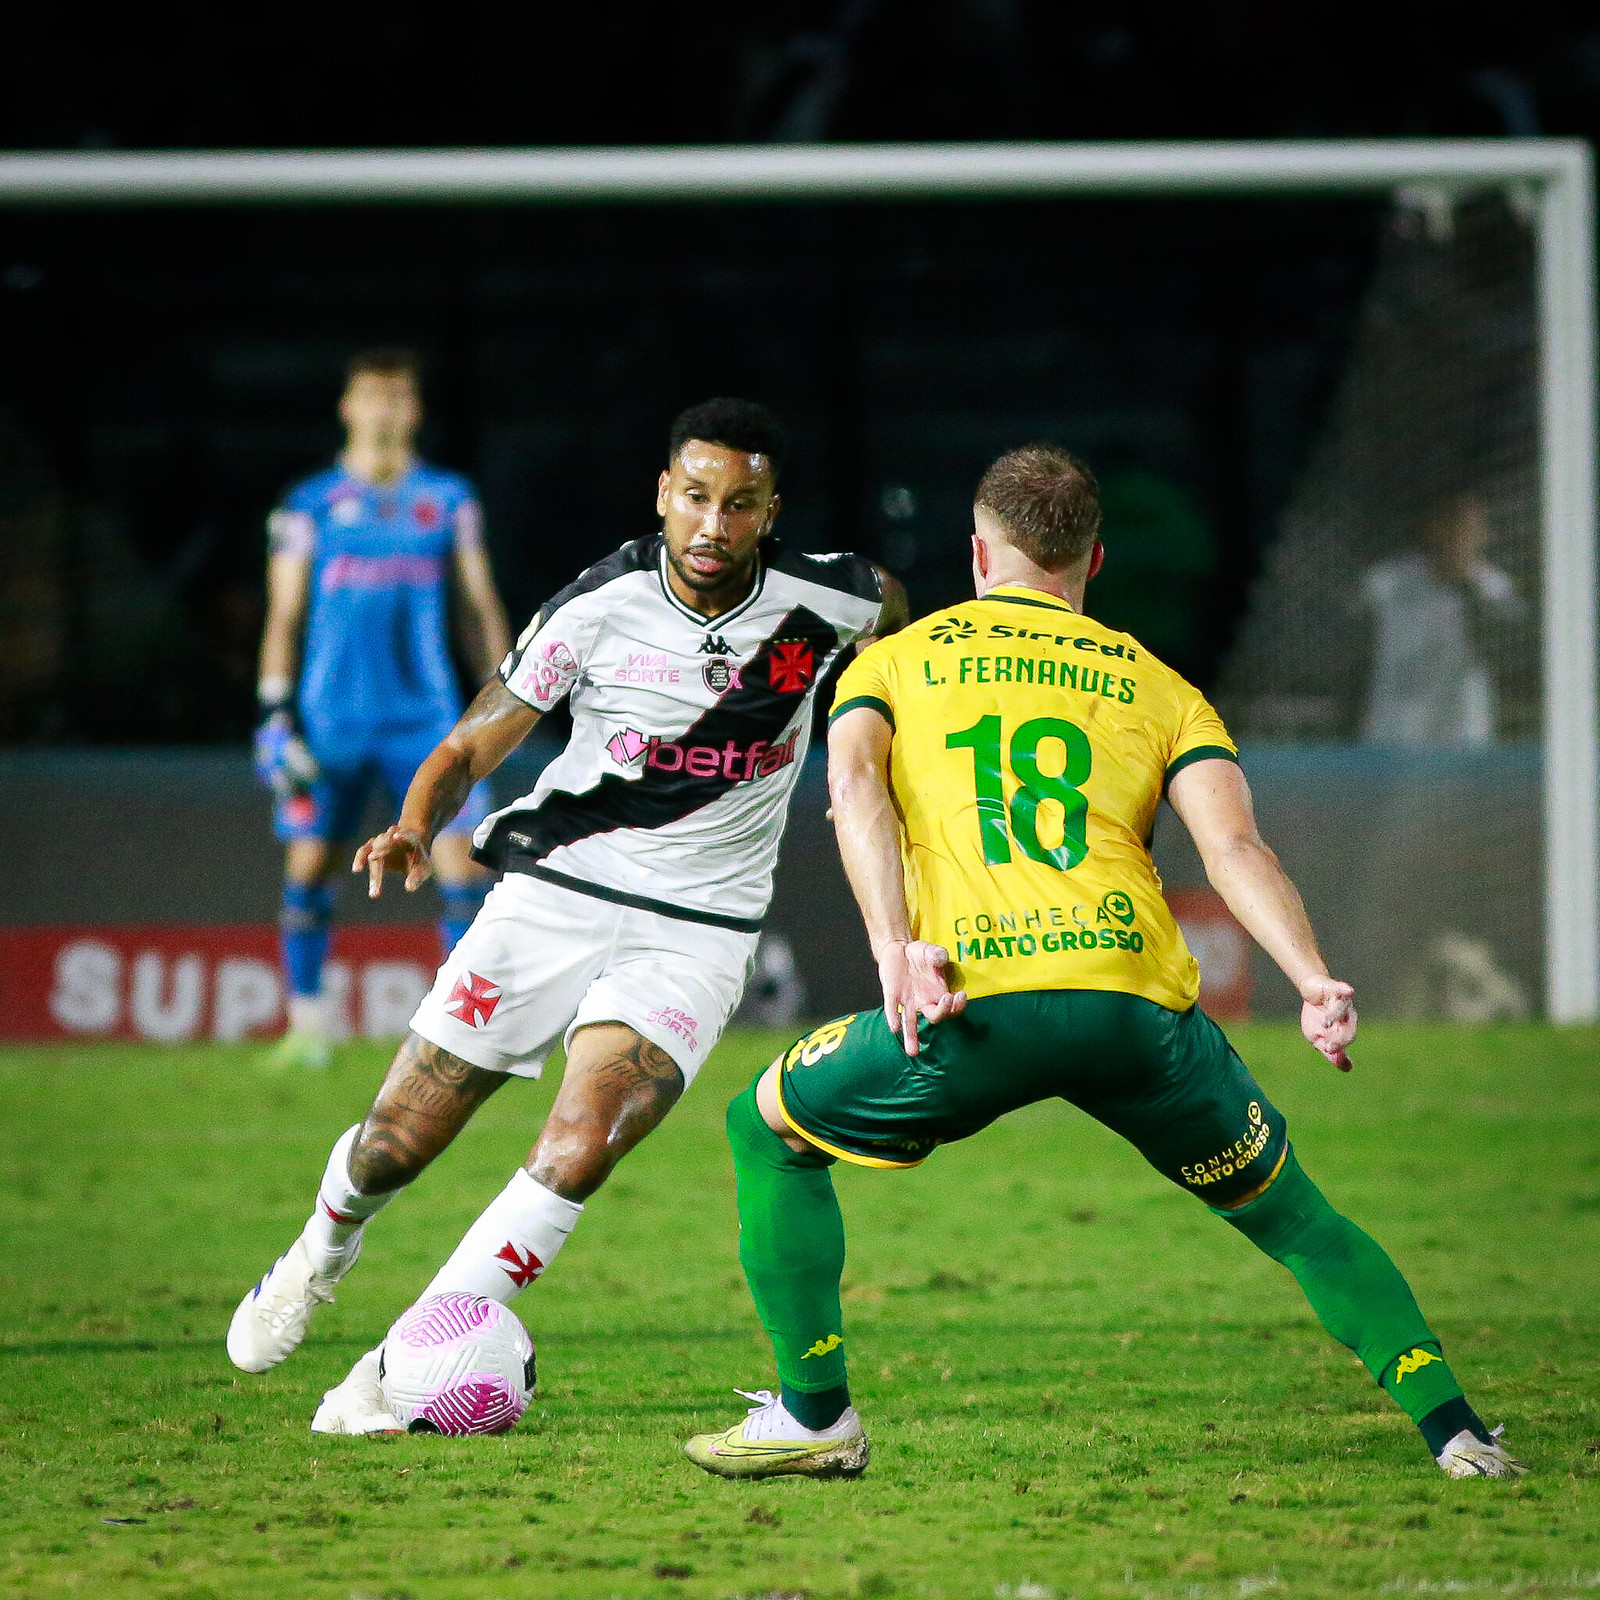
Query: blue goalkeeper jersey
[{"x": 376, "y": 656}]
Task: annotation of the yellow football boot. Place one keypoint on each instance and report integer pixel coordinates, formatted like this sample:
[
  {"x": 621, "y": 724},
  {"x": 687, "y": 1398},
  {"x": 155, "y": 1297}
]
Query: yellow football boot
[{"x": 769, "y": 1443}]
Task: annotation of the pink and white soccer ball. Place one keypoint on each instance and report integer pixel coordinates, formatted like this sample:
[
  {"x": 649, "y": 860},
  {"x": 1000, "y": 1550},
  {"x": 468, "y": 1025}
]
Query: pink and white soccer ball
[{"x": 457, "y": 1364}]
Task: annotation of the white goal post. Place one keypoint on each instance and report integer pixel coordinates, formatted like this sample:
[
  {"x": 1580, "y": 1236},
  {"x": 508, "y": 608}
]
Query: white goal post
[{"x": 1555, "y": 178}]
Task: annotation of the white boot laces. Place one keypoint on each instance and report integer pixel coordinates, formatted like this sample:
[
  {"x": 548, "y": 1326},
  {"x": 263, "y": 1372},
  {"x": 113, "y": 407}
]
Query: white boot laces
[
  {"x": 767, "y": 1418},
  {"x": 284, "y": 1307}
]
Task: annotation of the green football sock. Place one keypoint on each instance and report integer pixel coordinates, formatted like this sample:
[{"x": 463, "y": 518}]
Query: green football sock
[
  {"x": 791, "y": 1246},
  {"x": 1356, "y": 1291}
]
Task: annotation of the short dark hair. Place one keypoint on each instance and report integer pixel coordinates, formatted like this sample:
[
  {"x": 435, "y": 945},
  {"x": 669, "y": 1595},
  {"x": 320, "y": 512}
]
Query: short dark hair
[
  {"x": 387, "y": 361},
  {"x": 1047, "y": 501},
  {"x": 735, "y": 425}
]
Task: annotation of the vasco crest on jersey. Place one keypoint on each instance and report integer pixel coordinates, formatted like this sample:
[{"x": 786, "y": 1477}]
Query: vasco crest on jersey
[{"x": 792, "y": 666}]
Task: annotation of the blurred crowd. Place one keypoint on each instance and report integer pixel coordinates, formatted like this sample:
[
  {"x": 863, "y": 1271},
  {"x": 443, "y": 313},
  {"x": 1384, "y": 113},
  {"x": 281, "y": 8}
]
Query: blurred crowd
[{"x": 710, "y": 71}]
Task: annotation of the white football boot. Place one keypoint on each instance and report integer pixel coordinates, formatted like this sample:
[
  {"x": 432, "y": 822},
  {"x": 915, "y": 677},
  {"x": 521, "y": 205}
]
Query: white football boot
[
  {"x": 272, "y": 1319},
  {"x": 299, "y": 1050},
  {"x": 1467, "y": 1456},
  {"x": 770, "y": 1443},
  {"x": 357, "y": 1405}
]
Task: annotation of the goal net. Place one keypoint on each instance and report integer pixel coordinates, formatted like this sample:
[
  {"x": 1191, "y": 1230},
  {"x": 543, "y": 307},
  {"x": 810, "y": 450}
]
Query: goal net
[
  {"x": 1413, "y": 680},
  {"x": 1386, "y": 678}
]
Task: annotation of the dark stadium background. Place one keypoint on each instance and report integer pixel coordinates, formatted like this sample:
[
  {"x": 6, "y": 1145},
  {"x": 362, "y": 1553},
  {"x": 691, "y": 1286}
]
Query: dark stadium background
[{"x": 165, "y": 373}]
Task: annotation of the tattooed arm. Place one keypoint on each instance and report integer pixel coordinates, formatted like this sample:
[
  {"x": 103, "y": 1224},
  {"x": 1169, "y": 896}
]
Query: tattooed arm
[
  {"x": 893, "y": 614},
  {"x": 489, "y": 730}
]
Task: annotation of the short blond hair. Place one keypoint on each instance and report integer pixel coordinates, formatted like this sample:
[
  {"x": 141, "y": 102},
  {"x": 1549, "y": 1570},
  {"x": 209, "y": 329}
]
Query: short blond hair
[{"x": 1047, "y": 501}]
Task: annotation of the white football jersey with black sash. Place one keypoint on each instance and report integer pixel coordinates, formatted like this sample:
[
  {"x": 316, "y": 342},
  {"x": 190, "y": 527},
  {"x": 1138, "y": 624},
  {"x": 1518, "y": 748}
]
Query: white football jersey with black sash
[{"x": 687, "y": 734}]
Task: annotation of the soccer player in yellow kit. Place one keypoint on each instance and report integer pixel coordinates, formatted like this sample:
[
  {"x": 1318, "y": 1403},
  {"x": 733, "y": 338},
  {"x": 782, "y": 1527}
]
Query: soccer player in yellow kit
[{"x": 995, "y": 772}]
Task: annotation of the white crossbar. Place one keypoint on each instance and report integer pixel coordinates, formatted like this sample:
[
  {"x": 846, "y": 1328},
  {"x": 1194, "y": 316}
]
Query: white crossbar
[{"x": 773, "y": 172}]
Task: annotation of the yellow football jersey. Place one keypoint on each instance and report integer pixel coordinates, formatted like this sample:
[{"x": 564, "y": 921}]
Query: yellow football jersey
[{"x": 1031, "y": 748}]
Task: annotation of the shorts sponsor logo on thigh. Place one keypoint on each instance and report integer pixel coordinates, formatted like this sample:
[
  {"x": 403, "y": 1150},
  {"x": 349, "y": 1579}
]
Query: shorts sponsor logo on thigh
[
  {"x": 1236, "y": 1157},
  {"x": 677, "y": 1022}
]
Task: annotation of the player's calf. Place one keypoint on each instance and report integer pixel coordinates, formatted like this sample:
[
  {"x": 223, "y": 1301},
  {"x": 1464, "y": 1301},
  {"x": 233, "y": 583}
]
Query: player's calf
[
  {"x": 1361, "y": 1298},
  {"x": 617, "y": 1087},
  {"x": 426, "y": 1099}
]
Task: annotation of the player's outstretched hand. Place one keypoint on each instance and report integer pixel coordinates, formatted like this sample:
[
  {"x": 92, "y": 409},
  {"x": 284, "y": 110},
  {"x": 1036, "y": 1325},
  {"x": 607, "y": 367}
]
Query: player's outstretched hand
[
  {"x": 1328, "y": 1018},
  {"x": 396, "y": 849},
  {"x": 913, "y": 975}
]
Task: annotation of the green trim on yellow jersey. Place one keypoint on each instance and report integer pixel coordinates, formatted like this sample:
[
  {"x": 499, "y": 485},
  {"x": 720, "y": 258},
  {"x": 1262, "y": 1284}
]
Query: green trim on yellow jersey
[
  {"x": 1201, "y": 752},
  {"x": 1051, "y": 603},
  {"x": 857, "y": 702}
]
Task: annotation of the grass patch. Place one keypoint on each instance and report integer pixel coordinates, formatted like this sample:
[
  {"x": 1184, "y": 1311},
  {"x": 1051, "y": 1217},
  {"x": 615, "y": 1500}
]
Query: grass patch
[{"x": 1077, "y": 1381}]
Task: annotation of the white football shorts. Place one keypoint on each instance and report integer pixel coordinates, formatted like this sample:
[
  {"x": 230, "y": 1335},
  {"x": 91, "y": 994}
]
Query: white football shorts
[{"x": 539, "y": 962}]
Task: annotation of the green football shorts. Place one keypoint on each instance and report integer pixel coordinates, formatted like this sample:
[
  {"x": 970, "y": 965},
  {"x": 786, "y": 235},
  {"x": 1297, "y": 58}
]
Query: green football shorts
[{"x": 1167, "y": 1081}]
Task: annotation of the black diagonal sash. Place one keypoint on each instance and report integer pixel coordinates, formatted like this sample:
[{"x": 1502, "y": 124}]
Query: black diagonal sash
[{"x": 760, "y": 708}]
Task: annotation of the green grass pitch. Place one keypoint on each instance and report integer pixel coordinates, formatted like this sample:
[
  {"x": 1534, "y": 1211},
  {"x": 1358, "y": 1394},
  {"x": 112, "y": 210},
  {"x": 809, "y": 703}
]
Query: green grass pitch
[{"x": 1077, "y": 1381}]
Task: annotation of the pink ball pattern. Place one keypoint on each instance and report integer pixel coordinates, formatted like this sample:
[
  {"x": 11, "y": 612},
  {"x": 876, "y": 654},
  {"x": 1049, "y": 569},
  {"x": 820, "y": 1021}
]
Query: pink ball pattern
[
  {"x": 470, "y": 1402},
  {"x": 481, "y": 1402},
  {"x": 444, "y": 1319}
]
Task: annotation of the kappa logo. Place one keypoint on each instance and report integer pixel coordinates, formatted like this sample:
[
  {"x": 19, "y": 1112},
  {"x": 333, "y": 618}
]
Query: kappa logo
[
  {"x": 473, "y": 1000},
  {"x": 793, "y": 663},
  {"x": 715, "y": 645},
  {"x": 1413, "y": 1361},
  {"x": 952, "y": 630},
  {"x": 823, "y": 1346},
  {"x": 521, "y": 1266}
]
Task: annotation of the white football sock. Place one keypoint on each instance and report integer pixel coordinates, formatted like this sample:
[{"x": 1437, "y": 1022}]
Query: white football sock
[
  {"x": 308, "y": 1014},
  {"x": 342, "y": 1211},
  {"x": 515, "y": 1239}
]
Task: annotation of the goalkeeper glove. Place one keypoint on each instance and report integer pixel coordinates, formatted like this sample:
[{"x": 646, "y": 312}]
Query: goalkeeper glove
[{"x": 283, "y": 761}]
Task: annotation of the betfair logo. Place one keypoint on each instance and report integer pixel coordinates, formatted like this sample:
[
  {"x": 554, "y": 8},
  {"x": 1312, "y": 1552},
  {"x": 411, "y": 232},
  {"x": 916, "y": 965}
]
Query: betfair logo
[
  {"x": 1413, "y": 1361},
  {"x": 951, "y": 630},
  {"x": 823, "y": 1346}
]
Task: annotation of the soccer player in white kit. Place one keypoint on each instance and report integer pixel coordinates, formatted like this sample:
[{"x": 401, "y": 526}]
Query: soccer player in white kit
[{"x": 636, "y": 873}]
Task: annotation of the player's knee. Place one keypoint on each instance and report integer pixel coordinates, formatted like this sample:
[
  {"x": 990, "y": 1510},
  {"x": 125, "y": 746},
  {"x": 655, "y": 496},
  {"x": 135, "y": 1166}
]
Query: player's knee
[
  {"x": 306, "y": 863},
  {"x": 381, "y": 1163},
  {"x": 575, "y": 1156}
]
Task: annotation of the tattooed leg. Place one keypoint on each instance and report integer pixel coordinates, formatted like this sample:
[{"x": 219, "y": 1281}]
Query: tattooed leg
[
  {"x": 617, "y": 1087},
  {"x": 426, "y": 1100},
  {"x": 428, "y": 1097}
]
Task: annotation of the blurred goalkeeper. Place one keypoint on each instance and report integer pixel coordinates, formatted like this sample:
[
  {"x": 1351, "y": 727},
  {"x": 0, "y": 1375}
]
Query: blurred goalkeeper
[{"x": 367, "y": 563}]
